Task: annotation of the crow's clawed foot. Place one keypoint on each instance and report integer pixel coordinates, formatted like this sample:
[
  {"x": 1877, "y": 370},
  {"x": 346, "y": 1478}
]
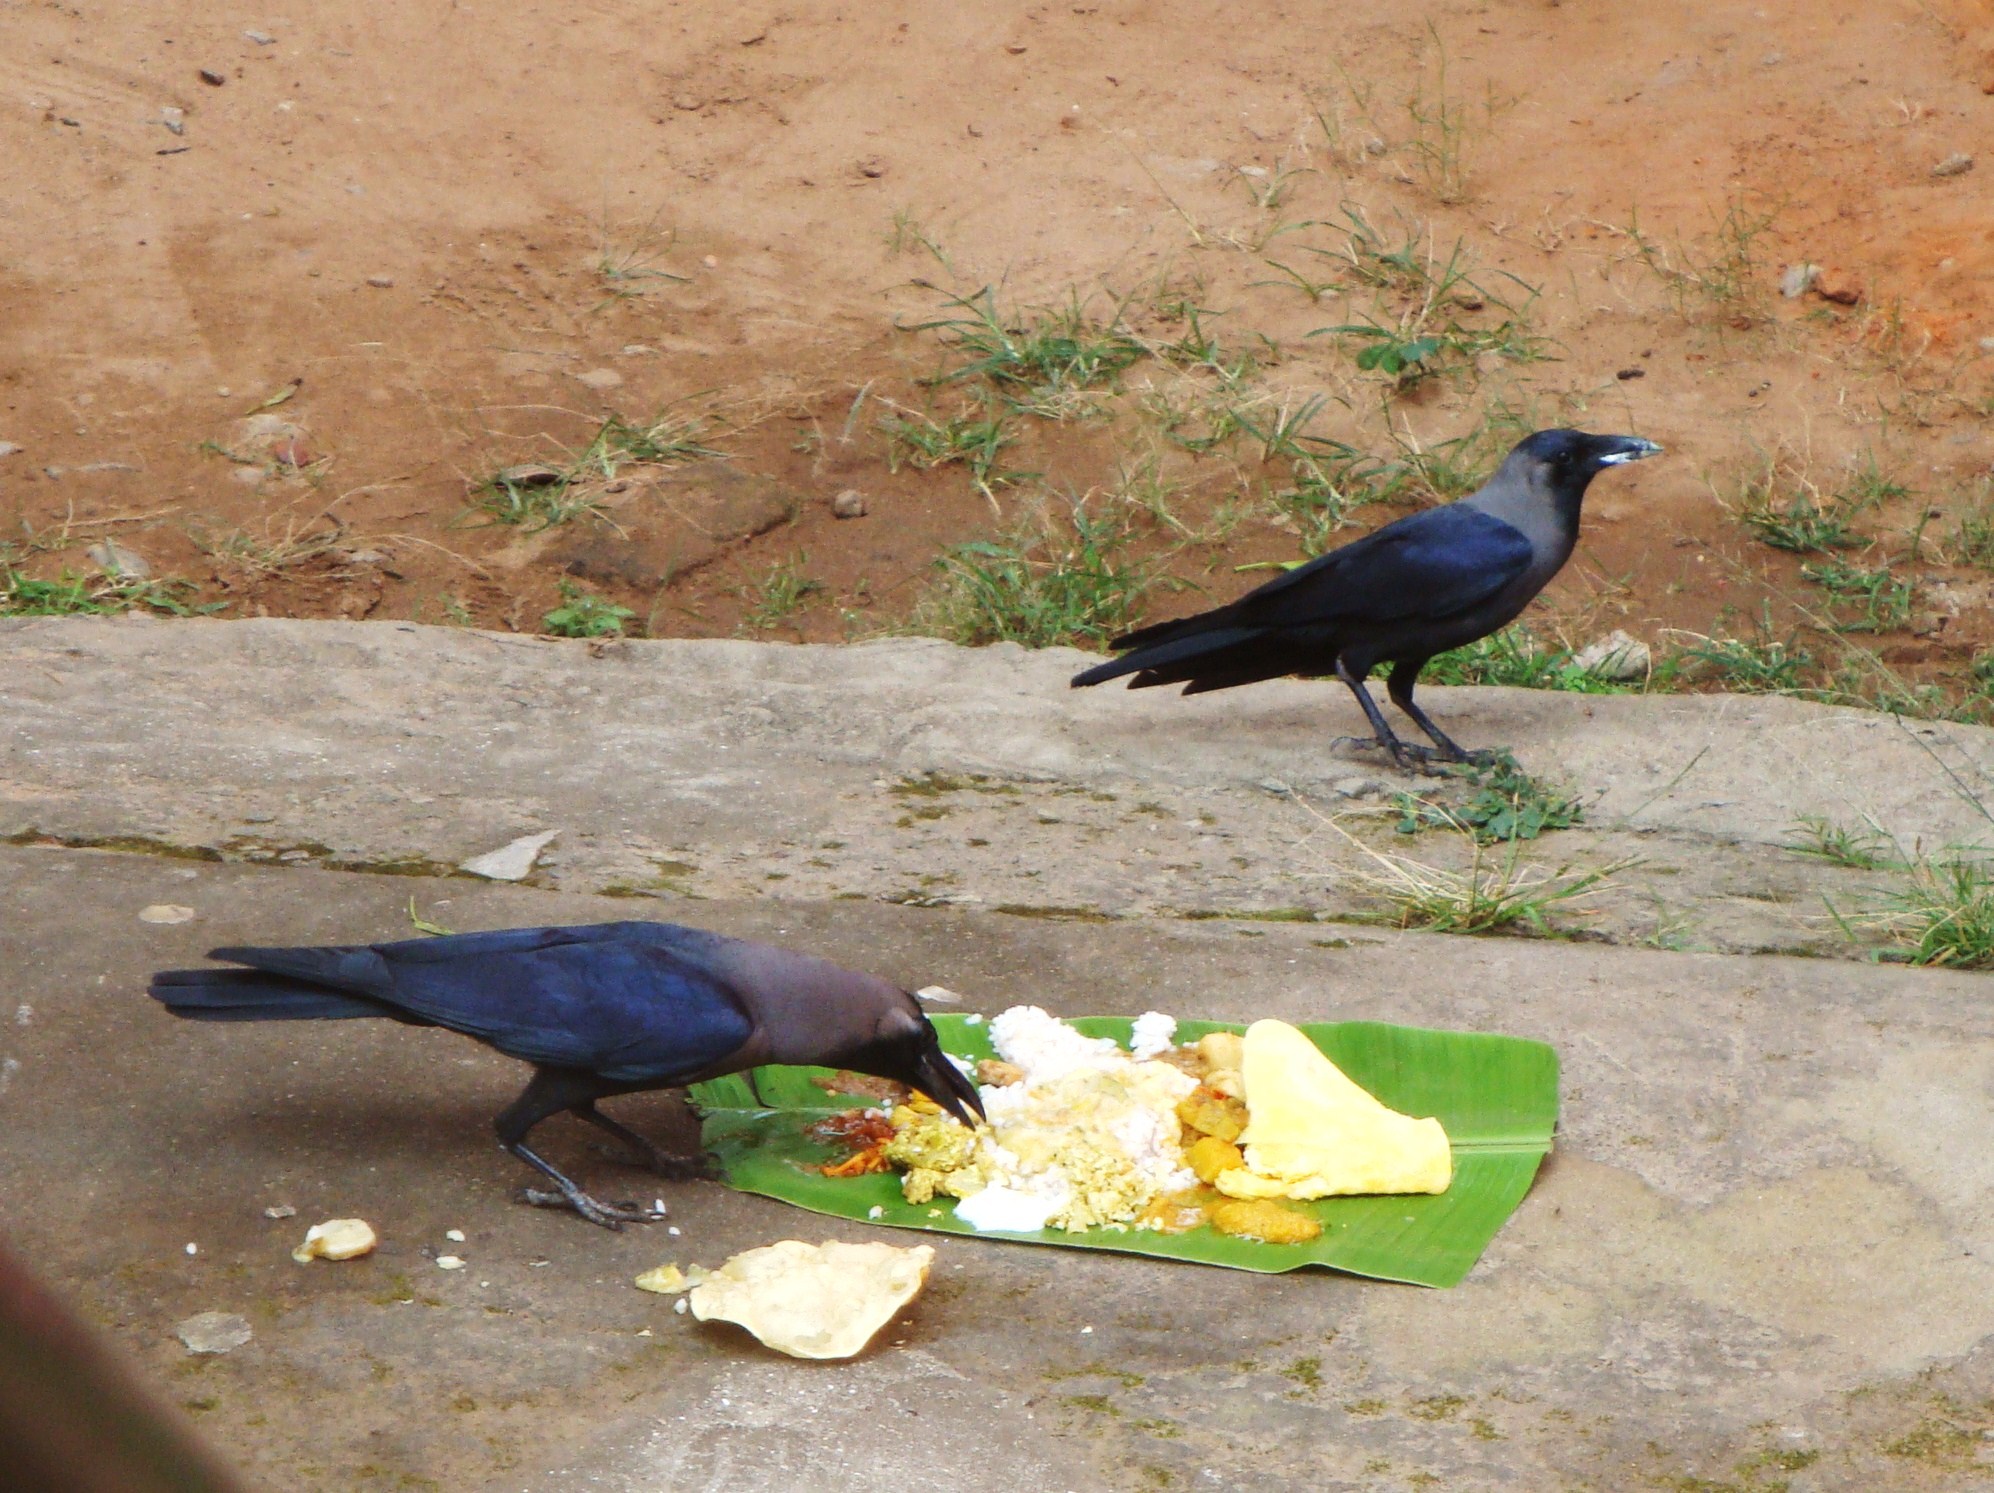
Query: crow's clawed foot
[
  {"x": 612, "y": 1216},
  {"x": 1427, "y": 761}
]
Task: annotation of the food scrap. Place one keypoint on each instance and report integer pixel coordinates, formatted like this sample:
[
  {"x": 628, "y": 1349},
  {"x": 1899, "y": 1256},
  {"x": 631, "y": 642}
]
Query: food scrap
[
  {"x": 336, "y": 1239},
  {"x": 808, "y": 1300},
  {"x": 1313, "y": 1133},
  {"x": 1083, "y": 1134},
  {"x": 866, "y": 1131},
  {"x": 669, "y": 1280}
]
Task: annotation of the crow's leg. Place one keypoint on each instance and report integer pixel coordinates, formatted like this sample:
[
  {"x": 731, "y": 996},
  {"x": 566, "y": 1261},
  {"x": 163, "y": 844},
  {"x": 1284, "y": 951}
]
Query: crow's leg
[
  {"x": 664, "y": 1163},
  {"x": 552, "y": 1090},
  {"x": 1404, "y": 756},
  {"x": 1399, "y": 686}
]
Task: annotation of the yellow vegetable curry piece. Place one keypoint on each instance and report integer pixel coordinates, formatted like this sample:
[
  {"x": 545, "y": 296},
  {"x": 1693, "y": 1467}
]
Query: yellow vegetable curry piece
[{"x": 1313, "y": 1133}]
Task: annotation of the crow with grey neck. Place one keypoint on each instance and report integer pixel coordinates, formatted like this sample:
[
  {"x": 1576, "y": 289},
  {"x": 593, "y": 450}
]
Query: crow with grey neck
[
  {"x": 599, "y": 1010},
  {"x": 1431, "y": 581}
]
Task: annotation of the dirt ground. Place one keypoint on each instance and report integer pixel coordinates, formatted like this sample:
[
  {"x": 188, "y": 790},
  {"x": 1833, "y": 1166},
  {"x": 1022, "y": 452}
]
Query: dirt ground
[{"x": 282, "y": 292}]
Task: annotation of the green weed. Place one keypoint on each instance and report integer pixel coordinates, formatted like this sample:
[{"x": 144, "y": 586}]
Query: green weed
[
  {"x": 1446, "y": 130},
  {"x": 628, "y": 265},
  {"x": 1863, "y": 847},
  {"x": 1514, "y": 657},
  {"x": 535, "y": 497},
  {"x": 1883, "y": 599},
  {"x": 908, "y": 235},
  {"x": 1942, "y": 915},
  {"x": 1972, "y": 541},
  {"x": 1506, "y": 804},
  {"x": 1722, "y": 275},
  {"x": 584, "y": 615},
  {"x": 973, "y": 438},
  {"x": 1759, "y": 665},
  {"x": 779, "y": 594},
  {"x": 1799, "y": 520},
  {"x": 1495, "y": 892},
  {"x": 1031, "y": 361},
  {"x": 72, "y": 595},
  {"x": 270, "y": 554},
  {"x": 1039, "y": 587}
]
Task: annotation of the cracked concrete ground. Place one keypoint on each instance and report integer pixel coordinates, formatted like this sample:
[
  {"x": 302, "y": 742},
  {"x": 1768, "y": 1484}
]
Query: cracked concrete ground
[{"x": 1762, "y": 1256}]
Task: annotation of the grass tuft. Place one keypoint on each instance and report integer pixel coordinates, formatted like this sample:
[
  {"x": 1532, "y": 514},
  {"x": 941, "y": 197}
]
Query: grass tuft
[
  {"x": 1031, "y": 362},
  {"x": 70, "y": 595},
  {"x": 779, "y": 595},
  {"x": 1506, "y": 804},
  {"x": 1041, "y": 587},
  {"x": 582, "y": 614},
  {"x": 1863, "y": 847},
  {"x": 534, "y": 497}
]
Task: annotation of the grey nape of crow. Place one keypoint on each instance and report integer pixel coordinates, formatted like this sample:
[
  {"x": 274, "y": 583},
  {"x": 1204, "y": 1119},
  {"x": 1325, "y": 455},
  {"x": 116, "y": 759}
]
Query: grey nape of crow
[
  {"x": 1431, "y": 581},
  {"x": 599, "y": 1010}
]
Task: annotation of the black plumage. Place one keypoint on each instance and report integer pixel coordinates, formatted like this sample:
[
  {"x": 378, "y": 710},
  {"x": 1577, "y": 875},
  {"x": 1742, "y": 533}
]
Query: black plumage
[
  {"x": 599, "y": 1010},
  {"x": 1431, "y": 581}
]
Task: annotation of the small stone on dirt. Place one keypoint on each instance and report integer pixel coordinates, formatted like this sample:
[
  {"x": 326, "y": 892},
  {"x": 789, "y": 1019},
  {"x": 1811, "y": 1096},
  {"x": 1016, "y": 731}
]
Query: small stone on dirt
[
  {"x": 1956, "y": 164},
  {"x": 260, "y": 38},
  {"x": 1839, "y": 286},
  {"x": 381, "y": 282},
  {"x": 1795, "y": 279},
  {"x": 1355, "y": 787},
  {"x": 1626, "y": 373},
  {"x": 600, "y": 378},
  {"x": 9, "y": 448},
  {"x": 848, "y": 504},
  {"x": 213, "y": 1332},
  {"x": 512, "y": 861},
  {"x": 280, "y": 1210},
  {"x": 528, "y": 474},
  {"x": 872, "y": 166},
  {"x": 117, "y": 562},
  {"x": 165, "y": 912},
  {"x": 212, "y": 78},
  {"x": 1615, "y": 656}
]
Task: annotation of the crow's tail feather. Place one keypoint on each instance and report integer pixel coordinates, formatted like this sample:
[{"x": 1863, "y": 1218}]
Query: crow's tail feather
[
  {"x": 357, "y": 970},
  {"x": 1176, "y": 659},
  {"x": 249, "y": 995}
]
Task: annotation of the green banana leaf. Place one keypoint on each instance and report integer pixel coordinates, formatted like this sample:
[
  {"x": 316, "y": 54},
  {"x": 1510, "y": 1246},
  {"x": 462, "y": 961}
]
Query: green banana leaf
[{"x": 1496, "y": 1096}]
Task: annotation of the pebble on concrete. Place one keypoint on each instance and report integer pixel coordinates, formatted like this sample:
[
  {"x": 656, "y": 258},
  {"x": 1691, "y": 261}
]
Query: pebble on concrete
[
  {"x": 213, "y": 1332},
  {"x": 510, "y": 862}
]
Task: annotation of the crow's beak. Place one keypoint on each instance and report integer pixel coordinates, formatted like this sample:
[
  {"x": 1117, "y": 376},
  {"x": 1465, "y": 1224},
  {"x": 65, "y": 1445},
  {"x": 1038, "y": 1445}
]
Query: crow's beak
[
  {"x": 1616, "y": 449},
  {"x": 943, "y": 1082}
]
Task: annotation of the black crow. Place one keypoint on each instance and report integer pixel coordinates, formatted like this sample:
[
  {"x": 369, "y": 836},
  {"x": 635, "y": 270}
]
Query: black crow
[
  {"x": 603, "y": 1009},
  {"x": 1425, "y": 583}
]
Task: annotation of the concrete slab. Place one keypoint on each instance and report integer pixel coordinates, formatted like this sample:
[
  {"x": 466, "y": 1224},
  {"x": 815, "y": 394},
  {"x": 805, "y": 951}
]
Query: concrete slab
[
  {"x": 1762, "y": 1257},
  {"x": 914, "y": 772}
]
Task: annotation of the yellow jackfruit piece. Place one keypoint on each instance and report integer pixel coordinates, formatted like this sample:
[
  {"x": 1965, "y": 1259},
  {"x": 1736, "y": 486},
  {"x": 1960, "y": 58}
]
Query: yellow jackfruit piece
[{"x": 1313, "y": 1133}]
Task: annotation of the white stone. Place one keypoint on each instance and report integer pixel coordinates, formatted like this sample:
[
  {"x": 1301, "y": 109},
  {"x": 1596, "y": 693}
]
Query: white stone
[{"x": 510, "y": 862}]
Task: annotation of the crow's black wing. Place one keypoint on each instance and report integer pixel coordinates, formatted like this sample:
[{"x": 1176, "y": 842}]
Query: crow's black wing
[
  {"x": 1426, "y": 566},
  {"x": 614, "y": 999}
]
